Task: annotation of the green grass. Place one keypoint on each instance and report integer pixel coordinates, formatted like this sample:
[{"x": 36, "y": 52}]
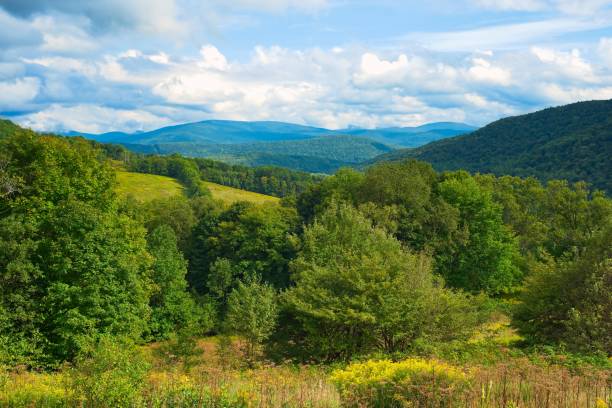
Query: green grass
[
  {"x": 147, "y": 187},
  {"x": 231, "y": 195}
]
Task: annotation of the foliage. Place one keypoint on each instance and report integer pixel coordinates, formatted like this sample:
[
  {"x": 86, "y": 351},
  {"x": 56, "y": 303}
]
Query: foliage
[
  {"x": 110, "y": 373},
  {"x": 568, "y": 301},
  {"x": 253, "y": 239},
  {"x": 412, "y": 382},
  {"x": 251, "y": 313},
  {"x": 174, "y": 212},
  {"x": 72, "y": 266},
  {"x": 570, "y": 142},
  {"x": 357, "y": 290},
  {"x": 488, "y": 258},
  {"x": 172, "y": 307}
]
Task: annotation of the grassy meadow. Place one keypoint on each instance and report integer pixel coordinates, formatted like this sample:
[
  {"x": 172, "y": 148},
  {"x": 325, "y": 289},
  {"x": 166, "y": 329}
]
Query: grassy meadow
[
  {"x": 147, "y": 187},
  {"x": 231, "y": 195}
]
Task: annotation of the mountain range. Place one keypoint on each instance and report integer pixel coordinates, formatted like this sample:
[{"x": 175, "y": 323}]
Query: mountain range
[{"x": 306, "y": 148}]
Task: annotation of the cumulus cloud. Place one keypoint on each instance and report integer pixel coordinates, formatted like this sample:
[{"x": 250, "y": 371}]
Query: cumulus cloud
[
  {"x": 91, "y": 119},
  {"x": 570, "y": 64},
  {"x": 483, "y": 71},
  {"x": 15, "y": 94}
]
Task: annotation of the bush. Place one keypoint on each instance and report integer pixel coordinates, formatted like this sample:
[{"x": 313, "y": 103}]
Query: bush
[
  {"x": 110, "y": 374},
  {"x": 407, "y": 383}
]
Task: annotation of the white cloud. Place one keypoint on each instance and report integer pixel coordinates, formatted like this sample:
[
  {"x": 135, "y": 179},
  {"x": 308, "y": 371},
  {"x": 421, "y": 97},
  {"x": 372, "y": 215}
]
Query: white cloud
[
  {"x": 563, "y": 95},
  {"x": 483, "y": 71},
  {"x": 569, "y": 64},
  {"x": 14, "y": 94},
  {"x": 505, "y": 36},
  {"x": 373, "y": 69},
  {"x": 212, "y": 58},
  {"x": 605, "y": 50},
  {"x": 91, "y": 119}
]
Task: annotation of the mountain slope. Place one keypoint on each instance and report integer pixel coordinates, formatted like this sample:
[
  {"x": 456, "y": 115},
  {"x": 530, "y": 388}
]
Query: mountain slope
[{"x": 571, "y": 142}]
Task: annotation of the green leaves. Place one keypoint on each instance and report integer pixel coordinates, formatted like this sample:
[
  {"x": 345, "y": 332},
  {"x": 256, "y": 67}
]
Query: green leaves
[{"x": 357, "y": 290}]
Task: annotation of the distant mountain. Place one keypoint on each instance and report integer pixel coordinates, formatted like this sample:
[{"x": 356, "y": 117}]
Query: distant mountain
[
  {"x": 299, "y": 147},
  {"x": 235, "y": 132},
  {"x": 412, "y": 136},
  {"x": 572, "y": 142}
]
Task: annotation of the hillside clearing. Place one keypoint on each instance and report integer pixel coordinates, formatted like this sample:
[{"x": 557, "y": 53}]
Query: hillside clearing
[
  {"x": 231, "y": 195},
  {"x": 147, "y": 187}
]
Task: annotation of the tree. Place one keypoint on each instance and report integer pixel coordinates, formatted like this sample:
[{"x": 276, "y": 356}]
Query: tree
[
  {"x": 254, "y": 239},
  {"x": 252, "y": 313},
  {"x": 175, "y": 212},
  {"x": 569, "y": 301},
  {"x": 172, "y": 307},
  {"x": 357, "y": 290},
  {"x": 488, "y": 259},
  {"x": 72, "y": 266}
]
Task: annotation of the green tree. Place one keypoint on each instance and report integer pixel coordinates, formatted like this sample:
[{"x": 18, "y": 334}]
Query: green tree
[
  {"x": 569, "y": 301},
  {"x": 252, "y": 313},
  {"x": 254, "y": 239},
  {"x": 72, "y": 266},
  {"x": 357, "y": 290},
  {"x": 172, "y": 307},
  {"x": 488, "y": 259},
  {"x": 175, "y": 212}
]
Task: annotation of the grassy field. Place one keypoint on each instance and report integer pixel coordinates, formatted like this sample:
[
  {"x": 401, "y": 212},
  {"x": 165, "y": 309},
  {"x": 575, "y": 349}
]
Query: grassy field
[
  {"x": 146, "y": 187},
  {"x": 231, "y": 195}
]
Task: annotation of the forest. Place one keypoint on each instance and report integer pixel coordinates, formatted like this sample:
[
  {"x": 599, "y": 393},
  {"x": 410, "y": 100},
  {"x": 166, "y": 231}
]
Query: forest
[
  {"x": 572, "y": 142},
  {"x": 393, "y": 286}
]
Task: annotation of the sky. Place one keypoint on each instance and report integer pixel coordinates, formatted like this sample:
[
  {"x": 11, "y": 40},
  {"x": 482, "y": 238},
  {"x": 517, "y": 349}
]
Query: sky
[{"x": 135, "y": 65}]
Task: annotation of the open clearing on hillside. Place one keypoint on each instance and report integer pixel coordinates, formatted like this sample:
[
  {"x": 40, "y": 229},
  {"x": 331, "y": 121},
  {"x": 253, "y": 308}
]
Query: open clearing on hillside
[
  {"x": 147, "y": 187},
  {"x": 231, "y": 195}
]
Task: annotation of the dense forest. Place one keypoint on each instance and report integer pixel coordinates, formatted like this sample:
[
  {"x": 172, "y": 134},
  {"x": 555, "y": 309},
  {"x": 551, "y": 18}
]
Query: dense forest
[
  {"x": 399, "y": 263},
  {"x": 572, "y": 142},
  {"x": 316, "y": 155}
]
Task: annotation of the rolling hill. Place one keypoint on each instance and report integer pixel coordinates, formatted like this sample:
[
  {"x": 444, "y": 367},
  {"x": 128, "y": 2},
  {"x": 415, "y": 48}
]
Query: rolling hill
[
  {"x": 572, "y": 142},
  {"x": 305, "y": 148}
]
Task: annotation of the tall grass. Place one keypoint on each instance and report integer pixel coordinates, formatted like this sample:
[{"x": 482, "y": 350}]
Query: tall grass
[{"x": 217, "y": 376}]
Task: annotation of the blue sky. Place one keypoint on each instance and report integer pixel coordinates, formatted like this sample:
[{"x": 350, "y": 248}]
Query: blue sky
[{"x": 130, "y": 65}]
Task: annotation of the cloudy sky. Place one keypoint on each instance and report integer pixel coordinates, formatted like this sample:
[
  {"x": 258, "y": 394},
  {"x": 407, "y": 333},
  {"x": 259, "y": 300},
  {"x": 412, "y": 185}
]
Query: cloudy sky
[{"x": 95, "y": 66}]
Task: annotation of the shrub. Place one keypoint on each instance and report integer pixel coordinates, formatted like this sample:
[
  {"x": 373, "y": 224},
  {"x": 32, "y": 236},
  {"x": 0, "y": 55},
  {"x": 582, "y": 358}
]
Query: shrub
[
  {"x": 405, "y": 383},
  {"x": 110, "y": 374}
]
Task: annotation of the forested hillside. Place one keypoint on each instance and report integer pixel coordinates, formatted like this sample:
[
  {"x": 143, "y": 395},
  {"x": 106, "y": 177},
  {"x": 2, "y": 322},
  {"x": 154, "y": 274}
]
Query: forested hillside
[
  {"x": 298, "y": 147},
  {"x": 408, "y": 285},
  {"x": 572, "y": 142}
]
